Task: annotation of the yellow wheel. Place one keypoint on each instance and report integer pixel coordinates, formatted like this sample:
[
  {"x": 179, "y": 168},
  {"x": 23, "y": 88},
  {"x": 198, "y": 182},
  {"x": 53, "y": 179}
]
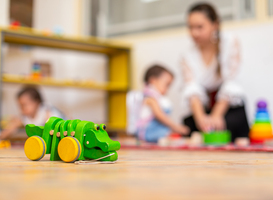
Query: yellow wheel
[
  {"x": 35, "y": 148},
  {"x": 69, "y": 149}
]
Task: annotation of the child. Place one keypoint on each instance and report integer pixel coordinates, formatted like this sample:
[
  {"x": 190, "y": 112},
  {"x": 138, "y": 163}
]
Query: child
[
  {"x": 33, "y": 111},
  {"x": 154, "y": 122}
]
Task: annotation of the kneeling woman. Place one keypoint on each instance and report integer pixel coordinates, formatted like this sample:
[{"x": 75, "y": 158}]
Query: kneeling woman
[{"x": 212, "y": 98}]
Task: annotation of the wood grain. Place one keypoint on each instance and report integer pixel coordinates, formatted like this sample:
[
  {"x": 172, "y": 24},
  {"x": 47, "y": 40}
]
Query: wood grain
[{"x": 140, "y": 175}]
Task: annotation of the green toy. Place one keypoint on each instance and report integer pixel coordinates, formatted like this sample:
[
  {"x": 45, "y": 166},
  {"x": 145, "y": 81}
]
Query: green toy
[
  {"x": 217, "y": 138},
  {"x": 70, "y": 140}
]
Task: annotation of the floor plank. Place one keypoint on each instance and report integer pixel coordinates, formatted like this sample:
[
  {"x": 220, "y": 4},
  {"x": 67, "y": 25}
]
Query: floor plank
[{"x": 140, "y": 175}]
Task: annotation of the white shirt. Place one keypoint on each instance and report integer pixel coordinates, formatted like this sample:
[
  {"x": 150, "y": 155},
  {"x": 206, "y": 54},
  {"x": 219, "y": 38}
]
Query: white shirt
[
  {"x": 199, "y": 78},
  {"x": 146, "y": 114},
  {"x": 42, "y": 115}
]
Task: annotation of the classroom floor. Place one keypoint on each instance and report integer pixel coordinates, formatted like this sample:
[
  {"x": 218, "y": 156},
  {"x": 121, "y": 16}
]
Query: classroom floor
[{"x": 140, "y": 174}]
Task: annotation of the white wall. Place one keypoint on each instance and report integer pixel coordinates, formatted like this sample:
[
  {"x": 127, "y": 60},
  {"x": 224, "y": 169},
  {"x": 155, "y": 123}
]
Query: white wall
[
  {"x": 256, "y": 69},
  {"x": 50, "y": 14},
  {"x": 257, "y": 66},
  {"x": 4, "y": 13}
]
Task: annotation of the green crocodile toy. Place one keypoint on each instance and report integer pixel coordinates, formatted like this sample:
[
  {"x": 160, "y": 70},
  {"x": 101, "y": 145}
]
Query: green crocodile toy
[{"x": 70, "y": 140}]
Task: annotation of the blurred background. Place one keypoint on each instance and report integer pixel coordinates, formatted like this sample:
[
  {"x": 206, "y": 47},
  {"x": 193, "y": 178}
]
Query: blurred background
[{"x": 156, "y": 31}]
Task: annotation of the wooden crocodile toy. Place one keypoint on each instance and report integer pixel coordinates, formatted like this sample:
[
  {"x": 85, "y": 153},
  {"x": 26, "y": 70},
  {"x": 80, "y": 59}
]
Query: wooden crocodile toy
[{"x": 70, "y": 140}]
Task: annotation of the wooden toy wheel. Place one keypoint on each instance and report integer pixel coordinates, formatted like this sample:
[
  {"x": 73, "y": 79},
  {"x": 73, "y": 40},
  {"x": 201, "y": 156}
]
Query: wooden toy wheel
[
  {"x": 69, "y": 149},
  {"x": 35, "y": 148}
]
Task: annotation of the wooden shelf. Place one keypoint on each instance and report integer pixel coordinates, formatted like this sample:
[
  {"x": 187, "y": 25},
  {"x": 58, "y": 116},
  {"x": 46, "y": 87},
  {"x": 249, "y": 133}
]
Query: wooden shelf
[
  {"x": 118, "y": 73},
  {"x": 64, "y": 83},
  {"x": 26, "y": 36}
]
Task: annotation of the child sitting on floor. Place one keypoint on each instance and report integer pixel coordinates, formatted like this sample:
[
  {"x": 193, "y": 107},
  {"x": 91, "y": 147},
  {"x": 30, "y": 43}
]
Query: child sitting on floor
[
  {"x": 33, "y": 111},
  {"x": 154, "y": 122}
]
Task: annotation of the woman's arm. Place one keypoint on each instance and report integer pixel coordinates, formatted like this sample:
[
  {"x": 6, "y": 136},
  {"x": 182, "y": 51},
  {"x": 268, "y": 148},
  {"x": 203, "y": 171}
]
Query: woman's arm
[
  {"x": 200, "y": 117},
  {"x": 163, "y": 118},
  {"x": 217, "y": 114},
  {"x": 196, "y": 96},
  {"x": 230, "y": 93},
  {"x": 220, "y": 108}
]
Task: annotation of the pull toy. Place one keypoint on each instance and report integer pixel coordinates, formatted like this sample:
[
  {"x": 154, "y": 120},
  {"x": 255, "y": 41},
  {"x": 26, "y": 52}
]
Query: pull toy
[{"x": 69, "y": 141}]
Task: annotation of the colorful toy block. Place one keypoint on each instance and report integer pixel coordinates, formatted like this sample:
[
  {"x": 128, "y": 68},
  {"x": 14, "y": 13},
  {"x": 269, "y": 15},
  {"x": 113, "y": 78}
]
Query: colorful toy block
[
  {"x": 15, "y": 25},
  {"x": 217, "y": 138},
  {"x": 36, "y": 71},
  {"x": 5, "y": 144},
  {"x": 261, "y": 130},
  {"x": 70, "y": 140}
]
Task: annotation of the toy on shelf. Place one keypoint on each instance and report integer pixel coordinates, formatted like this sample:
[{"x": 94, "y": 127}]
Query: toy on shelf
[
  {"x": 46, "y": 32},
  {"x": 217, "y": 138},
  {"x": 15, "y": 25},
  {"x": 36, "y": 71},
  {"x": 58, "y": 31},
  {"x": 70, "y": 140},
  {"x": 261, "y": 130}
]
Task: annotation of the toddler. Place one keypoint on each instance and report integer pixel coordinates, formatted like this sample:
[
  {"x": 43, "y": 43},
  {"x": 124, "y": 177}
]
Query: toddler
[
  {"x": 33, "y": 111},
  {"x": 154, "y": 122}
]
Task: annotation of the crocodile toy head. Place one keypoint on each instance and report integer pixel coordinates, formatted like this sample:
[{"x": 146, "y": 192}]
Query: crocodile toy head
[
  {"x": 70, "y": 140},
  {"x": 97, "y": 144}
]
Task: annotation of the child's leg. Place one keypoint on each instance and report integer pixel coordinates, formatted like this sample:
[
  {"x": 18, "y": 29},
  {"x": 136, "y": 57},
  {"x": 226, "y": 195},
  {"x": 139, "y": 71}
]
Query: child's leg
[{"x": 156, "y": 130}]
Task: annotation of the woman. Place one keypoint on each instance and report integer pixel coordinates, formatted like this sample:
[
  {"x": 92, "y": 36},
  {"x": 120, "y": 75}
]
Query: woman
[{"x": 211, "y": 96}]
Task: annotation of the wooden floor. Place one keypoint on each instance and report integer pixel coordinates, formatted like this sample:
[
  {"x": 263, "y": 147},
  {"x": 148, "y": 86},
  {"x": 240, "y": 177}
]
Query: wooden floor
[{"x": 140, "y": 175}]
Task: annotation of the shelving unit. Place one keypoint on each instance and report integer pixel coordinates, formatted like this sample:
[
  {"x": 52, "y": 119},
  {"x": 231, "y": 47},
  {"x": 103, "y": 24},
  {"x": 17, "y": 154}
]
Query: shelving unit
[{"x": 118, "y": 67}]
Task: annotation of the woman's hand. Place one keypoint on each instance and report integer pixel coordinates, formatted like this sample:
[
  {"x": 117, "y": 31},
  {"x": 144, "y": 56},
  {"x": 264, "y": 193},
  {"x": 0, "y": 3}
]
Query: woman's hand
[
  {"x": 203, "y": 123},
  {"x": 201, "y": 119},
  {"x": 217, "y": 115},
  {"x": 218, "y": 123}
]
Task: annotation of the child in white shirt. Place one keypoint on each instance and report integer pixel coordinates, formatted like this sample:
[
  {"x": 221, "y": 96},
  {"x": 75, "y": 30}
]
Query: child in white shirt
[{"x": 33, "y": 111}]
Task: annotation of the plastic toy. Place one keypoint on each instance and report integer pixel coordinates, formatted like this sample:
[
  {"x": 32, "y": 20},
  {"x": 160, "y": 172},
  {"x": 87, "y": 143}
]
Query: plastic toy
[
  {"x": 36, "y": 71},
  {"x": 5, "y": 144},
  {"x": 261, "y": 130},
  {"x": 58, "y": 31},
  {"x": 15, "y": 25},
  {"x": 70, "y": 140},
  {"x": 217, "y": 138}
]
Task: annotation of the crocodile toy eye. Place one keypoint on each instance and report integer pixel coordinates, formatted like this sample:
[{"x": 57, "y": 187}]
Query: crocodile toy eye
[
  {"x": 96, "y": 127},
  {"x": 103, "y": 127}
]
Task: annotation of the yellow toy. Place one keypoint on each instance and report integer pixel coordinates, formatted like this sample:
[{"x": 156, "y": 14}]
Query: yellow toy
[{"x": 5, "y": 144}]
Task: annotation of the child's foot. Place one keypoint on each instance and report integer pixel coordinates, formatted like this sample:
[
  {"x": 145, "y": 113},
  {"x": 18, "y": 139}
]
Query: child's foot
[
  {"x": 242, "y": 142},
  {"x": 196, "y": 139}
]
